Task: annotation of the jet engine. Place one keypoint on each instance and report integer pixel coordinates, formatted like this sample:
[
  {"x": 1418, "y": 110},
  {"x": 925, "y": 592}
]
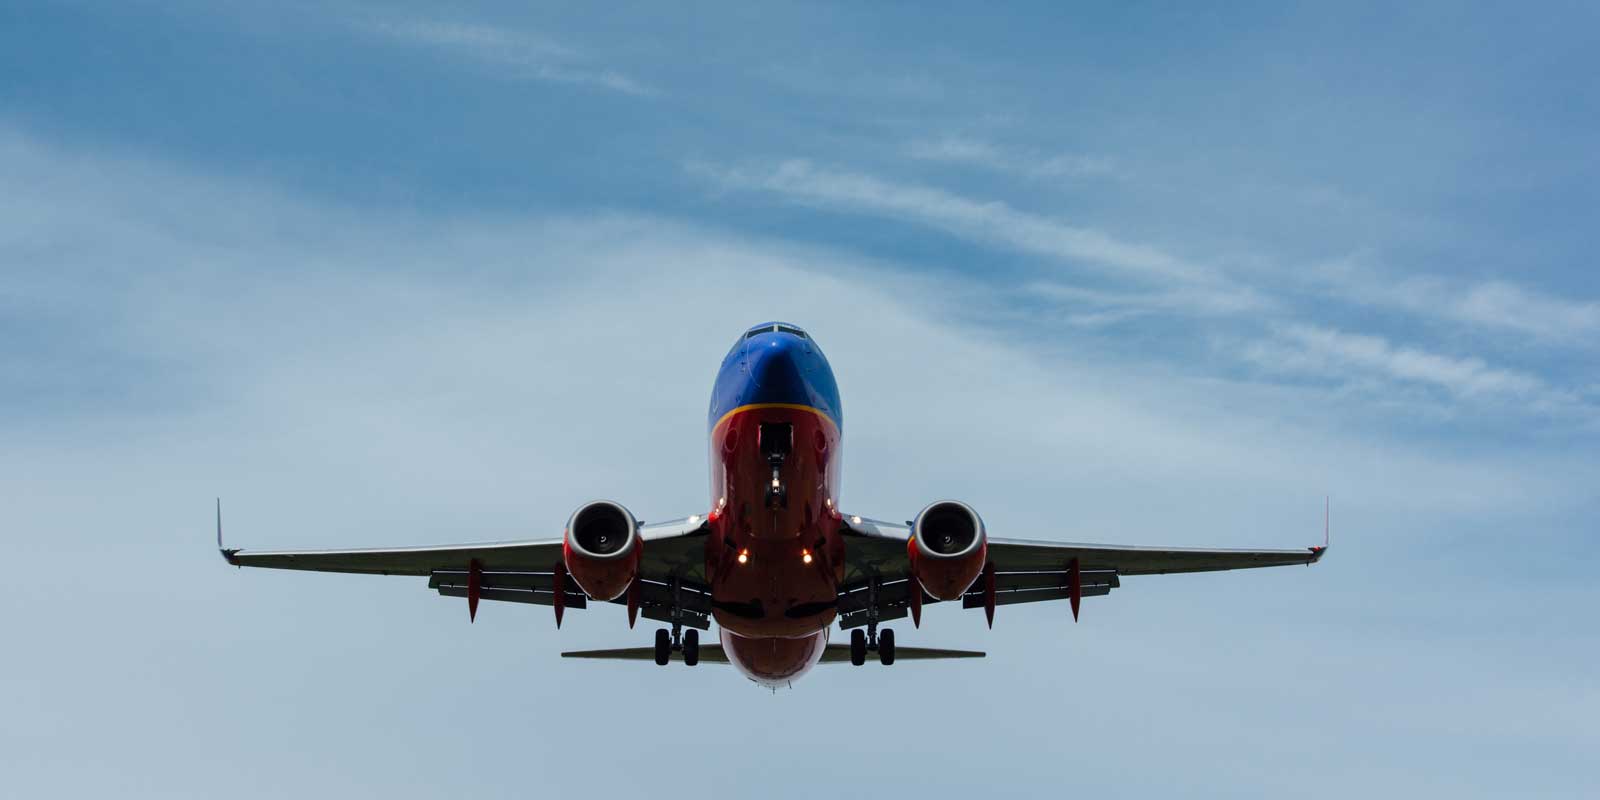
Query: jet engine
[
  {"x": 948, "y": 549},
  {"x": 601, "y": 549}
]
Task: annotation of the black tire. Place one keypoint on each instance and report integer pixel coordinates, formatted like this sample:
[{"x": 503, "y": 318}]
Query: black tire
[
  {"x": 858, "y": 647},
  {"x": 691, "y": 647},
  {"x": 663, "y": 646},
  {"x": 886, "y": 647}
]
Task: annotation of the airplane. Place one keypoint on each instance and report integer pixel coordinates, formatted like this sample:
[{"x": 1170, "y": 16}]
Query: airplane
[{"x": 774, "y": 561}]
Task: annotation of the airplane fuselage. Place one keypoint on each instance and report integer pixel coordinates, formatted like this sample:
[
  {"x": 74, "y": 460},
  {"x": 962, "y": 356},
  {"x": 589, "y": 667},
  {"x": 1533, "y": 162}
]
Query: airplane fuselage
[{"x": 775, "y": 556}]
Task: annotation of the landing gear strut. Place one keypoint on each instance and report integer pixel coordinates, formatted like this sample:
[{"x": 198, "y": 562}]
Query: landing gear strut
[
  {"x": 871, "y": 639},
  {"x": 775, "y": 441},
  {"x": 688, "y": 642}
]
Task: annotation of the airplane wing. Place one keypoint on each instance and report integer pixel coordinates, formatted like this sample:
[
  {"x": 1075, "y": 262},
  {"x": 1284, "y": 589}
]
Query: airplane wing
[
  {"x": 1023, "y": 571},
  {"x": 520, "y": 572}
]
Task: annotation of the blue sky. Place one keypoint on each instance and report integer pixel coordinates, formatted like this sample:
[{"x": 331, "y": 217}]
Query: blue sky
[{"x": 397, "y": 274}]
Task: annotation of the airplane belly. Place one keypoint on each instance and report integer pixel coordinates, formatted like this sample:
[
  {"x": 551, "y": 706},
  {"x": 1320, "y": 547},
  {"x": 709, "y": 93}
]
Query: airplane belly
[
  {"x": 774, "y": 661},
  {"x": 775, "y": 556}
]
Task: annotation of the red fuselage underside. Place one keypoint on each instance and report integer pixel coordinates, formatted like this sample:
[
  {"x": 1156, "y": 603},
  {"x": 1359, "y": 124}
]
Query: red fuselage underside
[{"x": 774, "y": 607}]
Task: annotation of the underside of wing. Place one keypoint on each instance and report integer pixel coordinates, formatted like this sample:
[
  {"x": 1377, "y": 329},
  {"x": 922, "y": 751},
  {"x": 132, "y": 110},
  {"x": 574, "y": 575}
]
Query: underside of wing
[
  {"x": 671, "y": 559},
  {"x": 1013, "y": 555},
  {"x": 879, "y": 584}
]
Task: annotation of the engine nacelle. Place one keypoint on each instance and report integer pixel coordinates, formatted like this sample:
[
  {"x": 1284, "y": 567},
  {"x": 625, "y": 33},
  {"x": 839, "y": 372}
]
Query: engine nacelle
[
  {"x": 948, "y": 549},
  {"x": 602, "y": 548}
]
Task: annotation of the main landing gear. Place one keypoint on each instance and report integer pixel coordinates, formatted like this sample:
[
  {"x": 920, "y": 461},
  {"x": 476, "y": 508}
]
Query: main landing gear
[
  {"x": 860, "y": 643},
  {"x": 870, "y": 639},
  {"x": 687, "y": 642}
]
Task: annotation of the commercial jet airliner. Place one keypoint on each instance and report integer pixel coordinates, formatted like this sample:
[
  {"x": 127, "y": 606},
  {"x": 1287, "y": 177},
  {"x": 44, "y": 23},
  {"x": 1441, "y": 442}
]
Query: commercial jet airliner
[{"x": 774, "y": 561}]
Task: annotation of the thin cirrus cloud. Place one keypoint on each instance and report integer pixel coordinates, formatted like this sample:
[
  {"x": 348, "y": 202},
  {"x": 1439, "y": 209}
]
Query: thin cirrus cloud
[
  {"x": 515, "y": 54},
  {"x": 1493, "y": 305},
  {"x": 1352, "y": 357},
  {"x": 1149, "y": 282},
  {"x": 992, "y": 223},
  {"x": 1095, "y": 307},
  {"x": 977, "y": 153}
]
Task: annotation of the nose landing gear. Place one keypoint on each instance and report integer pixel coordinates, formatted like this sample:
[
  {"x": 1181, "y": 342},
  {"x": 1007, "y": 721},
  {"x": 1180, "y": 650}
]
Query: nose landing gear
[{"x": 776, "y": 440}]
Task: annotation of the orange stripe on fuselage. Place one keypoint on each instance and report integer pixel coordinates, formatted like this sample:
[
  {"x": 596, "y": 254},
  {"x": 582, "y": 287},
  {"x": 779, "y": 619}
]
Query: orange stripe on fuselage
[{"x": 790, "y": 406}]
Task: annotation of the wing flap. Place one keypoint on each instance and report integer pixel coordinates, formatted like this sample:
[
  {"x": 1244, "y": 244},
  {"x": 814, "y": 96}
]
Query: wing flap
[
  {"x": 975, "y": 599},
  {"x": 655, "y": 603},
  {"x": 538, "y": 588},
  {"x": 1016, "y": 581},
  {"x": 532, "y": 596},
  {"x": 495, "y": 579},
  {"x": 885, "y": 614}
]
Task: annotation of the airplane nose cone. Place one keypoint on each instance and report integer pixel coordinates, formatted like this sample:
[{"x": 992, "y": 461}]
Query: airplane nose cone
[{"x": 776, "y": 365}]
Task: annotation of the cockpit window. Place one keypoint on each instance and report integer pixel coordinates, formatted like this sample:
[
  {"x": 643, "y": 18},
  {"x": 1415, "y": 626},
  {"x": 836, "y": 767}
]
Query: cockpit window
[{"x": 775, "y": 328}]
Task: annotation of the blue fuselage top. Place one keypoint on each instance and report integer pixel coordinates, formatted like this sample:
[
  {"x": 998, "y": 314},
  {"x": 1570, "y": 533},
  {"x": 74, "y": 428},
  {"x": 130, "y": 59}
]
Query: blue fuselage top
[{"x": 775, "y": 363}]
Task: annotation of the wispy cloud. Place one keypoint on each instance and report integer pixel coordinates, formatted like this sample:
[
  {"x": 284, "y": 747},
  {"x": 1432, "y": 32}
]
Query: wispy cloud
[
  {"x": 993, "y": 223},
  {"x": 1492, "y": 304},
  {"x": 1143, "y": 281},
  {"x": 1098, "y": 307},
  {"x": 517, "y": 54},
  {"x": 1031, "y": 164},
  {"x": 1349, "y": 357}
]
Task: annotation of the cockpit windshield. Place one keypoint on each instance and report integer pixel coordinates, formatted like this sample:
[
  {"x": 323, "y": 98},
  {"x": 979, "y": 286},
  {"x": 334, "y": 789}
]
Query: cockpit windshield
[{"x": 776, "y": 327}]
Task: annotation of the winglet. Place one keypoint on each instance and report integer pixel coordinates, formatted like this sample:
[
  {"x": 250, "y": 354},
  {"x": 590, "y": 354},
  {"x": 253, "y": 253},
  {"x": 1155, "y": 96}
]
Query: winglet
[
  {"x": 227, "y": 555},
  {"x": 1316, "y": 552}
]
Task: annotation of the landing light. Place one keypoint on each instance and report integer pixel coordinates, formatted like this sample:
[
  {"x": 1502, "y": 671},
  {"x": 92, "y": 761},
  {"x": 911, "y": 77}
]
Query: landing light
[
  {"x": 744, "y": 556},
  {"x": 855, "y": 520},
  {"x": 805, "y": 556}
]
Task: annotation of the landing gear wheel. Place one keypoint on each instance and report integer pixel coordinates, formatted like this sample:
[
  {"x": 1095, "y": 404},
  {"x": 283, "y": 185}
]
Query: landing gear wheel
[
  {"x": 886, "y": 647},
  {"x": 663, "y": 646},
  {"x": 858, "y": 647},
  {"x": 691, "y": 647}
]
